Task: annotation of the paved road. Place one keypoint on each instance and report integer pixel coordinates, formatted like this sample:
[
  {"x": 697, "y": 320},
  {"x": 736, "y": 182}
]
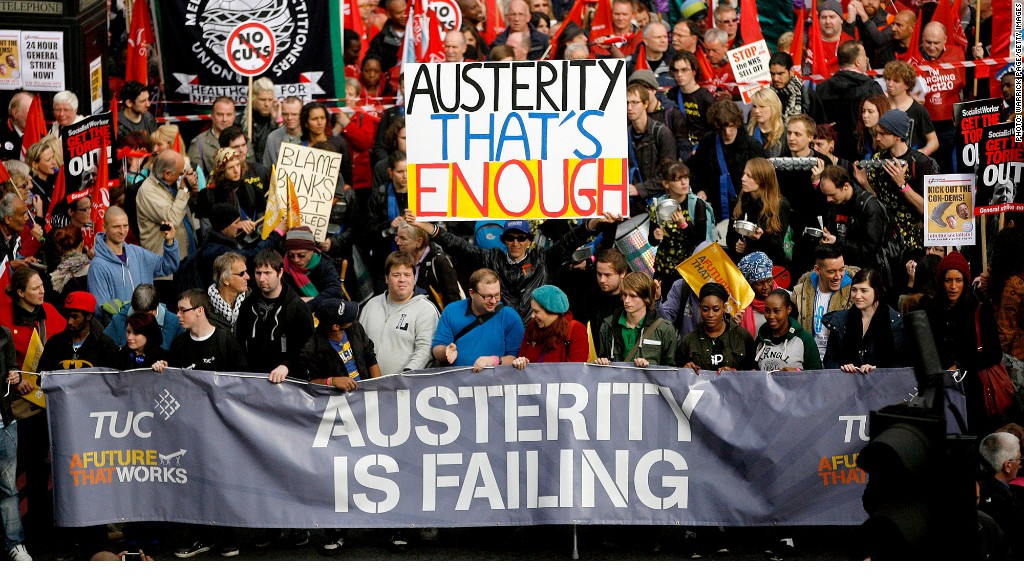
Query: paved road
[{"x": 553, "y": 543}]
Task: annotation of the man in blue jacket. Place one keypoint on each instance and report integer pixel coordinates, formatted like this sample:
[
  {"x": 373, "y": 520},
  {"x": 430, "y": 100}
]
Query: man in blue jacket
[{"x": 119, "y": 267}]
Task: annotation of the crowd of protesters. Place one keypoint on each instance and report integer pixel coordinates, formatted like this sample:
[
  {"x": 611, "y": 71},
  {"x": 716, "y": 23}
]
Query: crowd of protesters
[{"x": 834, "y": 253}]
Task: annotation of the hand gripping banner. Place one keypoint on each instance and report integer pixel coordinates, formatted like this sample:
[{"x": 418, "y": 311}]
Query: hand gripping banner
[{"x": 552, "y": 444}]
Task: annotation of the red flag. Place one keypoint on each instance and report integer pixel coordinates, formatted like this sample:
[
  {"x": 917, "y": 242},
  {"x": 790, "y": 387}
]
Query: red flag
[
  {"x": 913, "y": 54},
  {"x": 640, "y": 58},
  {"x": 58, "y": 196},
  {"x": 1000, "y": 39},
  {"x": 707, "y": 72},
  {"x": 4, "y": 174},
  {"x": 140, "y": 36},
  {"x": 819, "y": 63},
  {"x": 750, "y": 27},
  {"x": 797, "y": 49},
  {"x": 575, "y": 16},
  {"x": 947, "y": 12},
  {"x": 601, "y": 25},
  {"x": 353, "y": 20},
  {"x": 100, "y": 192},
  {"x": 5, "y": 280},
  {"x": 35, "y": 125},
  {"x": 434, "y": 50},
  {"x": 494, "y": 23}
]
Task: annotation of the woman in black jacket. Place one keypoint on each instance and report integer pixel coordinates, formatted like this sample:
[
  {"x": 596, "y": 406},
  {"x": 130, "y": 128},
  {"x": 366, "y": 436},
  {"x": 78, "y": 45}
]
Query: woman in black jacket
[
  {"x": 964, "y": 328},
  {"x": 761, "y": 202},
  {"x": 143, "y": 345},
  {"x": 869, "y": 334}
]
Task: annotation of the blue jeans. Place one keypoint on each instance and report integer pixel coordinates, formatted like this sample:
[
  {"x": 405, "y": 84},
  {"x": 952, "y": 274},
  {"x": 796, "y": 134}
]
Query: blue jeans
[{"x": 9, "y": 512}]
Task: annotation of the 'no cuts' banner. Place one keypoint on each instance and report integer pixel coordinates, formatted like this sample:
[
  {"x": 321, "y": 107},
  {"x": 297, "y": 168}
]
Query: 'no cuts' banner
[
  {"x": 194, "y": 33},
  {"x": 506, "y": 140},
  {"x": 553, "y": 444}
]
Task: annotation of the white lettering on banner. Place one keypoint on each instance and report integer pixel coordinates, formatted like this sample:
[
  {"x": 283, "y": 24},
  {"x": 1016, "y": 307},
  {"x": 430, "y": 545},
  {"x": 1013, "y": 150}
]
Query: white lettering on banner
[
  {"x": 367, "y": 479},
  {"x": 517, "y": 140},
  {"x": 131, "y": 424},
  {"x": 521, "y": 416},
  {"x": 862, "y": 432},
  {"x": 476, "y": 480}
]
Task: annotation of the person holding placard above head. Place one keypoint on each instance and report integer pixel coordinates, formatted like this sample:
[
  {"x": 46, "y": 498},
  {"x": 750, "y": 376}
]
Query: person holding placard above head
[
  {"x": 520, "y": 267},
  {"x": 650, "y": 141}
]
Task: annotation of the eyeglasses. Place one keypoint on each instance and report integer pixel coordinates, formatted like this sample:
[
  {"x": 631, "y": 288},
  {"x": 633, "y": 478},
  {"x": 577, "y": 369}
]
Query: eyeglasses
[
  {"x": 634, "y": 103},
  {"x": 489, "y": 297},
  {"x": 184, "y": 310},
  {"x": 517, "y": 238},
  {"x": 733, "y": 21},
  {"x": 241, "y": 274}
]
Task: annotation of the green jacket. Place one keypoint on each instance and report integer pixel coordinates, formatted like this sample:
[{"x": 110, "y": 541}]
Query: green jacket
[
  {"x": 657, "y": 343},
  {"x": 733, "y": 349}
]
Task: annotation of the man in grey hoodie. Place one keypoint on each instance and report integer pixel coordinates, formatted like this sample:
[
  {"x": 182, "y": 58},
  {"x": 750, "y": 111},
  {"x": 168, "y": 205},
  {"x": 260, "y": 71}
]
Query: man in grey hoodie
[
  {"x": 119, "y": 268},
  {"x": 400, "y": 323}
]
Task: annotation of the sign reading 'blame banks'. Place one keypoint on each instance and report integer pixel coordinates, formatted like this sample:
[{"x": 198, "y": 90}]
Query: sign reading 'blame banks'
[{"x": 503, "y": 140}]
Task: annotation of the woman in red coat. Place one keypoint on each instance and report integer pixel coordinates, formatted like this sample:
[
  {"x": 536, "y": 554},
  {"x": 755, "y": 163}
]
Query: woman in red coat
[
  {"x": 551, "y": 334},
  {"x": 22, "y": 310}
]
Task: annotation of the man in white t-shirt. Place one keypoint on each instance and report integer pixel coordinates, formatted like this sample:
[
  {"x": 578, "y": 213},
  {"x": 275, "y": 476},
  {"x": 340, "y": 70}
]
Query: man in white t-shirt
[{"x": 822, "y": 290}]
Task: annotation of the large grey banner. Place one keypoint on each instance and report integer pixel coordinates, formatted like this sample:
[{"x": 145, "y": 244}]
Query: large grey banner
[{"x": 553, "y": 444}]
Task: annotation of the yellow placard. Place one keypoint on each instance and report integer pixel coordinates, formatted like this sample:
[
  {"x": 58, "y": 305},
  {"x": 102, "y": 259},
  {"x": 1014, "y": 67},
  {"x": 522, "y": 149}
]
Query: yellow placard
[{"x": 712, "y": 264}]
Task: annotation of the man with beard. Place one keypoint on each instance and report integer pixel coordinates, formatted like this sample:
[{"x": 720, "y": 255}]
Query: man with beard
[
  {"x": 796, "y": 97},
  {"x": 479, "y": 331},
  {"x": 274, "y": 325},
  {"x": 899, "y": 181}
]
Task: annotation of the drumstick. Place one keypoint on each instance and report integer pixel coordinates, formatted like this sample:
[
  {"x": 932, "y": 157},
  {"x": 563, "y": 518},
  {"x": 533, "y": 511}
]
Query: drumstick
[{"x": 344, "y": 269}]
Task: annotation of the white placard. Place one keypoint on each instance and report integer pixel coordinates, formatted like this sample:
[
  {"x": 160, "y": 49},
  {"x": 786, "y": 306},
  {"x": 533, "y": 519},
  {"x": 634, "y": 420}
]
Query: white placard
[
  {"x": 750, "y": 67},
  {"x": 42, "y": 56},
  {"x": 10, "y": 60},
  {"x": 314, "y": 173},
  {"x": 509, "y": 140}
]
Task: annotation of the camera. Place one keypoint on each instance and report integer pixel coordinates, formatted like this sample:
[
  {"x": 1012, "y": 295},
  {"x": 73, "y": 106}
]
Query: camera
[
  {"x": 165, "y": 227},
  {"x": 127, "y": 556}
]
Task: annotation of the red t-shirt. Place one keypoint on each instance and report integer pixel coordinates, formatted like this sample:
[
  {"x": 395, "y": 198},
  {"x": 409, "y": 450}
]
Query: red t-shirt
[{"x": 944, "y": 86}]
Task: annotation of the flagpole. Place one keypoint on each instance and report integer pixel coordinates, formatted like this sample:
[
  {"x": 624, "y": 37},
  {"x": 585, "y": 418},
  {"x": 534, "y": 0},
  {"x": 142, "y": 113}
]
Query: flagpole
[
  {"x": 977, "y": 40},
  {"x": 159, "y": 47},
  {"x": 248, "y": 111}
]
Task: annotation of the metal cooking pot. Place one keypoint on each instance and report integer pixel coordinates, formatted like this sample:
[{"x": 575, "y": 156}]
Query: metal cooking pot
[{"x": 745, "y": 228}]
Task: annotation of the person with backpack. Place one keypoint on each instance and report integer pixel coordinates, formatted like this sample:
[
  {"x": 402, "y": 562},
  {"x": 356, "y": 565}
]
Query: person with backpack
[
  {"x": 899, "y": 181},
  {"x": 637, "y": 333},
  {"x": 676, "y": 235},
  {"x": 479, "y": 331},
  {"x": 857, "y": 221}
]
